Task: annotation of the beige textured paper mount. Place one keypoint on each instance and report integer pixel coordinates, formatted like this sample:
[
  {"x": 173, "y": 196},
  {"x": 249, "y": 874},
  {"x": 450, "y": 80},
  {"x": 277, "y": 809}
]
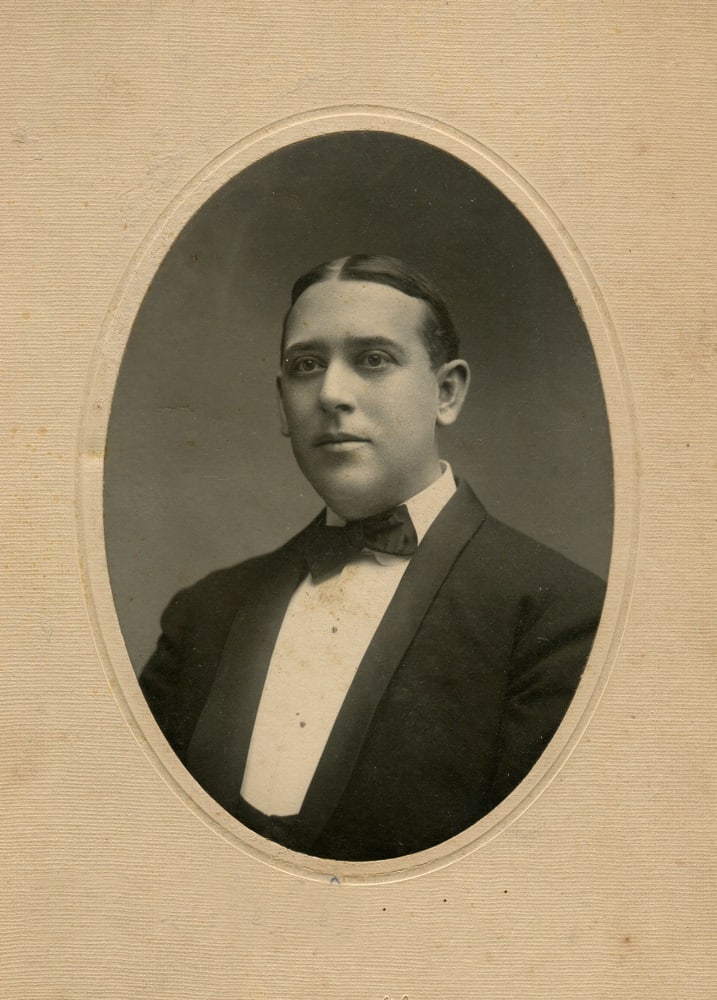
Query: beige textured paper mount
[{"x": 604, "y": 888}]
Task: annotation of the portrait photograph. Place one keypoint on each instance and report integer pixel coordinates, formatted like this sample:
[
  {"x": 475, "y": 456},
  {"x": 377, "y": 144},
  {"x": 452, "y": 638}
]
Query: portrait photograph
[
  {"x": 358, "y": 496},
  {"x": 358, "y": 450}
]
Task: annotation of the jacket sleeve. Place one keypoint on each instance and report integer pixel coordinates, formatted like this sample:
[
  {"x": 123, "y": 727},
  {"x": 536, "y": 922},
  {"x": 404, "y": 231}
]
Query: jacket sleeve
[
  {"x": 163, "y": 677},
  {"x": 552, "y": 646}
]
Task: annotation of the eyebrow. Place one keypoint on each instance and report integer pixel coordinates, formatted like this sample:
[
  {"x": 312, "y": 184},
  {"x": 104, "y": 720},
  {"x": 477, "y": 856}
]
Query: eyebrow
[{"x": 365, "y": 342}]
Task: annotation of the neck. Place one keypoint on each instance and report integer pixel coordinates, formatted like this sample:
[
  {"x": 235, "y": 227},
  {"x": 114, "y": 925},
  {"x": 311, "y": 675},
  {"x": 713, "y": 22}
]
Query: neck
[{"x": 353, "y": 508}]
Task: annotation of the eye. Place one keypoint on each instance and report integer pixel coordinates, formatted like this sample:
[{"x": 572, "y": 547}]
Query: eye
[
  {"x": 376, "y": 360},
  {"x": 306, "y": 365}
]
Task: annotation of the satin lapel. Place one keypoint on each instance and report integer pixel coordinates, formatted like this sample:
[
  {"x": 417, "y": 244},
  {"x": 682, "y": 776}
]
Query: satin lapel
[
  {"x": 218, "y": 749},
  {"x": 459, "y": 520}
]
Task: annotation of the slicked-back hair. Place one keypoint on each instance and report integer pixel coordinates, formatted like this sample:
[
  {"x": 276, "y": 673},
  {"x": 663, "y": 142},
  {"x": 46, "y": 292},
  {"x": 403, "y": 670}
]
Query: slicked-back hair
[{"x": 438, "y": 333}]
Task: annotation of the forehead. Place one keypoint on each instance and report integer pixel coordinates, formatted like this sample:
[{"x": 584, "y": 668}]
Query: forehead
[{"x": 335, "y": 308}]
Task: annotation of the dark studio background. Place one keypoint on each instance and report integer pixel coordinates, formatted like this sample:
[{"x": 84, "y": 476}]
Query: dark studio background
[{"x": 197, "y": 475}]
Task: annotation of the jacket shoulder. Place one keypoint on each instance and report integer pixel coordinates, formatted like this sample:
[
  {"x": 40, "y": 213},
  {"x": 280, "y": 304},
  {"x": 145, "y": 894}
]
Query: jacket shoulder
[
  {"x": 217, "y": 594},
  {"x": 194, "y": 628},
  {"x": 511, "y": 555},
  {"x": 519, "y": 583}
]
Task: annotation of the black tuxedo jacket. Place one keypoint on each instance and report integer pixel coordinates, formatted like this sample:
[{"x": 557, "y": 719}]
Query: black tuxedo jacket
[{"x": 464, "y": 683}]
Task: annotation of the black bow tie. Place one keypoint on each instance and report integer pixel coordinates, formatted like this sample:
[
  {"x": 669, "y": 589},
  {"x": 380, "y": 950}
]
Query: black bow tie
[{"x": 327, "y": 549}]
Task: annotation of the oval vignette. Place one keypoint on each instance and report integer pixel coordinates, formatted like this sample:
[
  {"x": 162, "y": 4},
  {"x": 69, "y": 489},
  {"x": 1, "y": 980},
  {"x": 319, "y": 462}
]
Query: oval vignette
[{"x": 196, "y": 474}]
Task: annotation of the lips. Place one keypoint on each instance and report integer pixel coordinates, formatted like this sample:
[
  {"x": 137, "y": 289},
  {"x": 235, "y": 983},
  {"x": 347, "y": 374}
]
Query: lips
[{"x": 339, "y": 438}]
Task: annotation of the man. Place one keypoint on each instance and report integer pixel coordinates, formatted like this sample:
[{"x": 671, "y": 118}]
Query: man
[{"x": 387, "y": 677}]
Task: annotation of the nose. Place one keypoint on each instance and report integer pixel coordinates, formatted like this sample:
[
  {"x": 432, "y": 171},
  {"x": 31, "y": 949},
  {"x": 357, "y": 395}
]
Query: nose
[{"x": 337, "y": 391}]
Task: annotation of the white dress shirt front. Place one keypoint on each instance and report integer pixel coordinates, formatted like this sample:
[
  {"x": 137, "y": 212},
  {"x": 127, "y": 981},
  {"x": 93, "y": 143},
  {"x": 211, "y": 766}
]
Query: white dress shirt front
[{"x": 326, "y": 631}]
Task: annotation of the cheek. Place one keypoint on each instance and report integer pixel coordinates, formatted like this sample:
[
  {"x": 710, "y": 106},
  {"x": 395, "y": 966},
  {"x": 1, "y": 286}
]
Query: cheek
[
  {"x": 418, "y": 406},
  {"x": 412, "y": 427},
  {"x": 296, "y": 408}
]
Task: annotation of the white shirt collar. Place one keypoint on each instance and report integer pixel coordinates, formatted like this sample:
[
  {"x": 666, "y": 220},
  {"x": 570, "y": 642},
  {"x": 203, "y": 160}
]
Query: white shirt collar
[{"x": 424, "y": 507}]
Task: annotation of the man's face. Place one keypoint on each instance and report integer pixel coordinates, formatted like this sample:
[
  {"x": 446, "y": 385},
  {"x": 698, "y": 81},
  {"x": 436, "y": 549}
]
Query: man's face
[{"x": 358, "y": 396}]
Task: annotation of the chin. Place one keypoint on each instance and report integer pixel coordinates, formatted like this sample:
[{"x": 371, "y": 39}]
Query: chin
[{"x": 351, "y": 501}]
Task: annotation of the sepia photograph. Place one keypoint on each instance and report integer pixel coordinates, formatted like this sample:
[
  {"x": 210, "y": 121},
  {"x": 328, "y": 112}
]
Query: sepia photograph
[
  {"x": 358, "y": 496},
  {"x": 358, "y": 451}
]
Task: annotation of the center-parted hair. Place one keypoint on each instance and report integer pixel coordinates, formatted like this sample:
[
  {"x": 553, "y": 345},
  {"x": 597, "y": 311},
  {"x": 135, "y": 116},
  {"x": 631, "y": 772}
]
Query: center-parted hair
[{"x": 438, "y": 332}]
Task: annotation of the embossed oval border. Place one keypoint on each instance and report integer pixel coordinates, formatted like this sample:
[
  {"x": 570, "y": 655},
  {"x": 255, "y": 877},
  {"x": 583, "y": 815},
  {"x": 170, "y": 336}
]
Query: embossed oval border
[{"x": 89, "y": 484}]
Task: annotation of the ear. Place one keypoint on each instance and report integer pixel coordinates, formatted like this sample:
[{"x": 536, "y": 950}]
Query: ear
[
  {"x": 283, "y": 422},
  {"x": 453, "y": 379}
]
